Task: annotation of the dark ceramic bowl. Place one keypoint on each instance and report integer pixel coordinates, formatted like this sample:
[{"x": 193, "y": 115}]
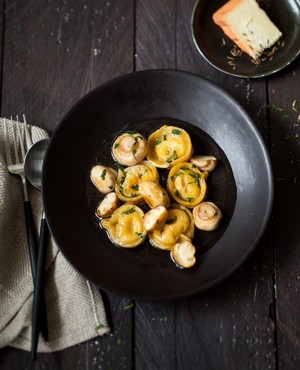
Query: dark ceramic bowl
[
  {"x": 216, "y": 47},
  {"x": 241, "y": 184}
]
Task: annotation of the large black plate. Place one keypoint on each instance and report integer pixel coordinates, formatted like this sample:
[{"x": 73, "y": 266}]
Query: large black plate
[
  {"x": 241, "y": 185},
  {"x": 209, "y": 39}
]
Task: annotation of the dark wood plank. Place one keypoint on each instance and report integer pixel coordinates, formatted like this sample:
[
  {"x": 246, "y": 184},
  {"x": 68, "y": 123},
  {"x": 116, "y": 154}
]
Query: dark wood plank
[
  {"x": 234, "y": 317},
  {"x": 54, "y": 53},
  {"x": 284, "y": 103},
  {"x": 155, "y": 34},
  {"x": 70, "y": 48},
  {"x": 155, "y": 48}
]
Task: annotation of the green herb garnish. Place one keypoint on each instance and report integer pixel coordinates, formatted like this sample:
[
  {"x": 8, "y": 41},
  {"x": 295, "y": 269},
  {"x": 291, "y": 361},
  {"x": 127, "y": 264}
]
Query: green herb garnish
[
  {"x": 128, "y": 306},
  {"x": 176, "y": 132},
  {"x": 171, "y": 221},
  {"x": 116, "y": 145},
  {"x": 100, "y": 326},
  {"x": 130, "y": 210},
  {"x": 103, "y": 174},
  {"x": 135, "y": 187},
  {"x": 120, "y": 167},
  {"x": 172, "y": 157}
]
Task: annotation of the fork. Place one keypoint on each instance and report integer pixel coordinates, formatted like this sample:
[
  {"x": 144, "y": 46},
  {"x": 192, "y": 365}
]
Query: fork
[{"x": 16, "y": 167}]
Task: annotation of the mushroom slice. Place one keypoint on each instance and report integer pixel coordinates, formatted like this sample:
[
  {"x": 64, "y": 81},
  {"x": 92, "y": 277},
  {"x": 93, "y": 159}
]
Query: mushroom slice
[
  {"x": 154, "y": 194},
  {"x": 168, "y": 146},
  {"x": 183, "y": 253},
  {"x": 204, "y": 162},
  {"x": 179, "y": 222},
  {"x": 187, "y": 184},
  {"x": 207, "y": 216},
  {"x": 125, "y": 227},
  {"x": 104, "y": 178},
  {"x": 129, "y": 179},
  {"x": 155, "y": 218},
  {"x": 108, "y": 205},
  {"x": 129, "y": 148}
]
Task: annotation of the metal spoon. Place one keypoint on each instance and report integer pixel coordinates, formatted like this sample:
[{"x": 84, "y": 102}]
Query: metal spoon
[{"x": 33, "y": 171}]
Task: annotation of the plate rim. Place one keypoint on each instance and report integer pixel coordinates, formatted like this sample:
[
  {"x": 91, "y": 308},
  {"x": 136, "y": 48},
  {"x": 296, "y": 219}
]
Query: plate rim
[
  {"x": 234, "y": 74},
  {"x": 267, "y": 160}
]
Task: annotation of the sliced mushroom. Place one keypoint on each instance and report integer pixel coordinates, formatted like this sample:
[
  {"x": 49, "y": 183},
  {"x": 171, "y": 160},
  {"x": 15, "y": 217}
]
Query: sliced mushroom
[
  {"x": 108, "y": 205},
  {"x": 154, "y": 194},
  {"x": 168, "y": 146},
  {"x": 125, "y": 227},
  {"x": 183, "y": 253},
  {"x": 204, "y": 162},
  {"x": 207, "y": 216},
  {"x": 130, "y": 148},
  {"x": 187, "y": 184},
  {"x": 179, "y": 222},
  {"x": 104, "y": 178},
  {"x": 155, "y": 218}
]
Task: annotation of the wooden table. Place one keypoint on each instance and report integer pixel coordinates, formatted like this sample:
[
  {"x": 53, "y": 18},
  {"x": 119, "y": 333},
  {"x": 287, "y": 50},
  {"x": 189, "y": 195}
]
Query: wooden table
[{"x": 52, "y": 53}]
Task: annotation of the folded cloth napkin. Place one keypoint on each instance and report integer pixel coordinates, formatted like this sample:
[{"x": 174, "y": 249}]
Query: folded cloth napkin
[{"x": 75, "y": 308}]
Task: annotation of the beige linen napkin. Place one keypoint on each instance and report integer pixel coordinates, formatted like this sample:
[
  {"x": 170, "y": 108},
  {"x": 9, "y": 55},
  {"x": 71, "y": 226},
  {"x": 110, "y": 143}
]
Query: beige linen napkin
[{"x": 74, "y": 306}]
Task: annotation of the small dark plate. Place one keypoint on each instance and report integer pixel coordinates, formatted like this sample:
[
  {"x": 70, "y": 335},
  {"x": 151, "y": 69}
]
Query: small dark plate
[
  {"x": 216, "y": 47},
  {"x": 241, "y": 184}
]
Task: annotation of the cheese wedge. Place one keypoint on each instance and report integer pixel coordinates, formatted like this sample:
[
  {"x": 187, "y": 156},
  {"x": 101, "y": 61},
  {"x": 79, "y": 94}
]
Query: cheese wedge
[{"x": 245, "y": 23}]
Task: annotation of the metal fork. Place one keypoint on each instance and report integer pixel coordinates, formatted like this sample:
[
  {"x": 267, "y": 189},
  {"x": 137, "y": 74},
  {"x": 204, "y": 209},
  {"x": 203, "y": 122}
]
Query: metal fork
[{"x": 16, "y": 167}]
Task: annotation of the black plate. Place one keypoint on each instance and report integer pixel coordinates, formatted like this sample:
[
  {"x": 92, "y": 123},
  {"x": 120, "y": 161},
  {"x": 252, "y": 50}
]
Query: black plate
[
  {"x": 241, "y": 185},
  {"x": 216, "y": 47}
]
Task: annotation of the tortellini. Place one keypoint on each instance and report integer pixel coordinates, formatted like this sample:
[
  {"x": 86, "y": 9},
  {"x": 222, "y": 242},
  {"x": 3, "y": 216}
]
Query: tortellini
[
  {"x": 187, "y": 184},
  {"x": 125, "y": 227},
  {"x": 179, "y": 222},
  {"x": 168, "y": 146},
  {"x": 136, "y": 201},
  {"x": 129, "y": 148},
  {"x": 129, "y": 179}
]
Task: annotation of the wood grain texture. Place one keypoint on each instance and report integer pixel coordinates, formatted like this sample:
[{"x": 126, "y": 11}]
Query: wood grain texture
[
  {"x": 70, "y": 48},
  {"x": 234, "y": 317},
  {"x": 54, "y": 52},
  {"x": 155, "y": 34},
  {"x": 284, "y": 111}
]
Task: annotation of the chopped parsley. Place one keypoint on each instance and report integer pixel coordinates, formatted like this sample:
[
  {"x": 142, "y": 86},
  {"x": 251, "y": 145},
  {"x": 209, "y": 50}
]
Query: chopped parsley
[
  {"x": 120, "y": 167},
  {"x": 100, "y": 326},
  {"x": 131, "y": 132},
  {"x": 171, "y": 221},
  {"x": 116, "y": 145},
  {"x": 176, "y": 132},
  {"x": 172, "y": 157},
  {"x": 196, "y": 177},
  {"x": 103, "y": 174},
  {"x": 128, "y": 306},
  {"x": 140, "y": 235},
  {"x": 135, "y": 187},
  {"x": 130, "y": 210}
]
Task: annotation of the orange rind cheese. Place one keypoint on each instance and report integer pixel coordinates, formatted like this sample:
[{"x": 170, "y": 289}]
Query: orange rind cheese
[{"x": 245, "y": 23}]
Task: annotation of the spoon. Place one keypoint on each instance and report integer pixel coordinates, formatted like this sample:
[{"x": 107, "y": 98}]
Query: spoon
[{"x": 33, "y": 171}]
